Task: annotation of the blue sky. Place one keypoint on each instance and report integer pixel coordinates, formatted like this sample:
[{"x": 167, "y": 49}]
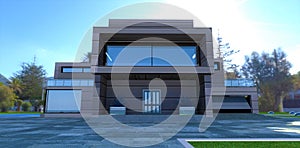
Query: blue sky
[{"x": 52, "y": 30}]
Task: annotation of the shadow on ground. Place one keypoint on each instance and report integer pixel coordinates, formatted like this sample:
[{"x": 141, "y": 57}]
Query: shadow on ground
[{"x": 74, "y": 132}]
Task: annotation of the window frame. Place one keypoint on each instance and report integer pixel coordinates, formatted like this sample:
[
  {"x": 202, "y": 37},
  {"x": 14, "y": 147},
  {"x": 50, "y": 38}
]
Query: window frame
[
  {"x": 71, "y": 69},
  {"x": 218, "y": 66},
  {"x": 197, "y": 52}
]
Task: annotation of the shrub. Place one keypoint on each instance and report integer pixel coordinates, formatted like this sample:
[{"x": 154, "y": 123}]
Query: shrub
[
  {"x": 26, "y": 106},
  {"x": 4, "y": 106},
  {"x": 7, "y": 98}
]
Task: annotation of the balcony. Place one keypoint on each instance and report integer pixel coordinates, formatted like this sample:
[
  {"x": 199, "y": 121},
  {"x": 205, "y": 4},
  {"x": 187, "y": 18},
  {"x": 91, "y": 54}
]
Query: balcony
[
  {"x": 239, "y": 83},
  {"x": 70, "y": 82},
  {"x": 90, "y": 82}
]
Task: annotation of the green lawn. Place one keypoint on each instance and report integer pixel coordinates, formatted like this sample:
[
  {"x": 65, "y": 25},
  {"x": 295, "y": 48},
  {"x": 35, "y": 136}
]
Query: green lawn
[
  {"x": 274, "y": 112},
  {"x": 20, "y": 113},
  {"x": 279, "y": 114},
  {"x": 242, "y": 144}
]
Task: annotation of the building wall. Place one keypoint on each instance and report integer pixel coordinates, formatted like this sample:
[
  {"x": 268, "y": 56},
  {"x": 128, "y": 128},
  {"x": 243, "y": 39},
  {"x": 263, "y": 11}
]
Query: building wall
[
  {"x": 59, "y": 74},
  {"x": 127, "y": 31},
  {"x": 245, "y": 91},
  {"x": 103, "y": 35},
  {"x": 219, "y": 89},
  {"x": 90, "y": 104},
  {"x": 170, "y": 95}
]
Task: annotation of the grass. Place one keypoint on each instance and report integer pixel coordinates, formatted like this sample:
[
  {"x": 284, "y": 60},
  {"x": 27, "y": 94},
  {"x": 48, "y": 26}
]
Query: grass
[
  {"x": 274, "y": 112},
  {"x": 242, "y": 144},
  {"x": 13, "y": 112},
  {"x": 280, "y": 114}
]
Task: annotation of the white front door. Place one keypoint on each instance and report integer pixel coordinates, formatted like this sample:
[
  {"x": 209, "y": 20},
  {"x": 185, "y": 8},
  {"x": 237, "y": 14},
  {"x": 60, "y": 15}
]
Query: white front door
[{"x": 152, "y": 101}]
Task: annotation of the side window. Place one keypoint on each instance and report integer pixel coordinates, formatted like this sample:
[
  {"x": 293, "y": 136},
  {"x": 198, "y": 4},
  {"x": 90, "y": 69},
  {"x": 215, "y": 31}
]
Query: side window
[
  {"x": 216, "y": 66},
  {"x": 75, "y": 69}
]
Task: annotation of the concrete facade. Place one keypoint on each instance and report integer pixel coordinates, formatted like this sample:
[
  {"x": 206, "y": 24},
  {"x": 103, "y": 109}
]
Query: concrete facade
[{"x": 140, "y": 32}]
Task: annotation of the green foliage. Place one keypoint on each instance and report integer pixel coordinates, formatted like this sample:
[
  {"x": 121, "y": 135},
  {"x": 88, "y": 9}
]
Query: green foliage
[
  {"x": 278, "y": 113},
  {"x": 225, "y": 52},
  {"x": 19, "y": 104},
  {"x": 87, "y": 57},
  {"x": 16, "y": 85},
  {"x": 296, "y": 81},
  {"x": 232, "y": 75},
  {"x": 271, "y": 75},
  {"x": 266, "y": 100},
  {"x": 31, "y": 77},
  {"x": 26, "y": 106},
  {"x": 7, "y": 98}
]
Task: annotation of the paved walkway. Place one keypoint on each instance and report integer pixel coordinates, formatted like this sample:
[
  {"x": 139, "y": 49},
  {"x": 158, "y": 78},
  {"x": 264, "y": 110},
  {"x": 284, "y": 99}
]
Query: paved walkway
[{"x": 74, "y": 132}]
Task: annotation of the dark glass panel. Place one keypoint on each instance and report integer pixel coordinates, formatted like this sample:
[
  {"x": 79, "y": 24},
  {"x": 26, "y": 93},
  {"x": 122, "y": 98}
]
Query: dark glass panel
[
  {"x": 128, "y": 55},
  {"x": 174, "y": 56}
]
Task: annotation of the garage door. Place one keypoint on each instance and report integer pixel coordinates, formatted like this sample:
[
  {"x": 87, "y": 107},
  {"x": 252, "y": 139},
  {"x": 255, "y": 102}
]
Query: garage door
[{"x": 63, "y": 100}]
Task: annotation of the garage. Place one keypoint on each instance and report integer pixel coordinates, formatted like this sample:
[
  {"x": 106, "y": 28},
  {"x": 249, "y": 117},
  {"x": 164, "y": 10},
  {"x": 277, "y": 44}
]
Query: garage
[{"x": 63, "y": 101}]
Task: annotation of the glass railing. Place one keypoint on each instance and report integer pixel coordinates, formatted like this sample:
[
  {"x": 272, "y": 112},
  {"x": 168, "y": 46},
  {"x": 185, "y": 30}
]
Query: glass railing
[
  {"x": 70, "y": 82},
  {"x": 89, "y": 82},
  {"x": 239, "y": 82}
]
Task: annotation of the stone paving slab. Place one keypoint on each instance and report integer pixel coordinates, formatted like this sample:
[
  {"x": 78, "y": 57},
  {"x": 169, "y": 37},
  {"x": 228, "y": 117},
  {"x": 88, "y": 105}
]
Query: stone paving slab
[{"x": 74, "y": 132}]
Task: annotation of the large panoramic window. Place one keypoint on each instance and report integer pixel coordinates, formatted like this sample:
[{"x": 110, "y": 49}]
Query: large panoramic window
[
  {"x": 128, "y": 56},
  {"x": 151, "y": 55},
  {"x": 174, "y": 56}
]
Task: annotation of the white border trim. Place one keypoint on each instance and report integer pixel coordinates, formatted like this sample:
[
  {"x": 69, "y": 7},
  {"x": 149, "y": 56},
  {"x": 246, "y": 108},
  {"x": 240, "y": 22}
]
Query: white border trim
[{"x": 185, "y": 143}]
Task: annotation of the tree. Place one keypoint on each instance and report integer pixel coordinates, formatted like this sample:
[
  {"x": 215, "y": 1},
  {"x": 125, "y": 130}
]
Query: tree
[
  {"x": 232, "y": 74},
  {"x": 271, "y": 74},
  {"x": 225, "y": 52},
  {"x": 6, "y": 98},
  {"x": 87, "y": 57},
  {"x": 296, "y": 81},
  {"x": 26, "y": 106},
  {"x": 16, "y": 85},
  {"x": 32, "y": 77}
]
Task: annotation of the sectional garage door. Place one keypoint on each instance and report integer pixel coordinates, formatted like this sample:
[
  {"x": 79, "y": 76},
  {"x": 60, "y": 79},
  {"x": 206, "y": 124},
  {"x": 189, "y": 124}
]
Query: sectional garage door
[
  {"x": 63, "y": 101},
  {"x": 233, "y": 104}
]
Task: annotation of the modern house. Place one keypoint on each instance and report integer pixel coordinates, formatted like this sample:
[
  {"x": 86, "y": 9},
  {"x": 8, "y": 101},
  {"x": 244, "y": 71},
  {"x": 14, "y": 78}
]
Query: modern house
[{"x": 148, "y": 67}]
